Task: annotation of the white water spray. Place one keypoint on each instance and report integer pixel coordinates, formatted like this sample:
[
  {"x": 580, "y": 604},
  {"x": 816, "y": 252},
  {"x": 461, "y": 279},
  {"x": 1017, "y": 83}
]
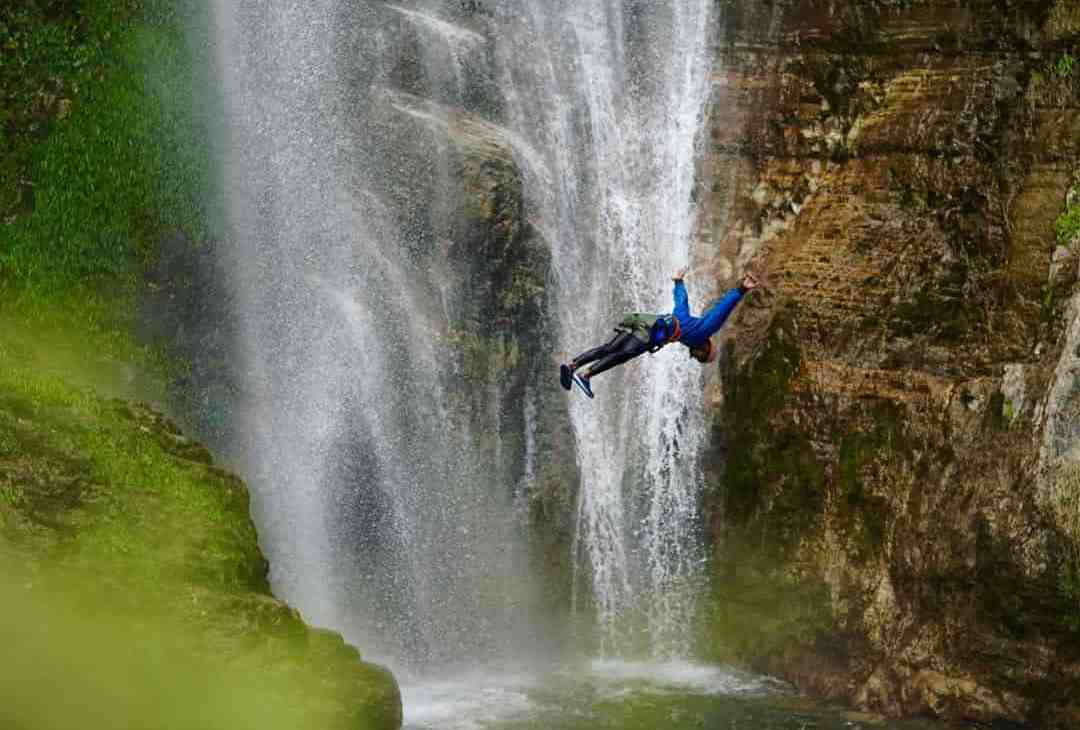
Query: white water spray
[
  {"x": 384, "y": 511},
  {"x": 373, "y": 500},
  {"x": 280, "y": 157},
  {"x": 616, "y": 93}
]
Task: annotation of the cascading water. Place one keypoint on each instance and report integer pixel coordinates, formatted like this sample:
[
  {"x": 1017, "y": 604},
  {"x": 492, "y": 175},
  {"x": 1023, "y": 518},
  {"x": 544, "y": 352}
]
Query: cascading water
[
  {"x": 280, "y": 161},
  {"x": 381, "y": 512},
  {"x": 387, "y": 508},
  {"x": 615, "y": 93}
]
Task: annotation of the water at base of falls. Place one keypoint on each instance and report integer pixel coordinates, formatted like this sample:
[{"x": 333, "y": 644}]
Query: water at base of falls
[{"x": 618, "y": 695}]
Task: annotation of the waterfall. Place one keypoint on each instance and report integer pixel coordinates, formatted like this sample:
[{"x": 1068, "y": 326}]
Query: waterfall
[
  {"x": 389, "y": 504},
  {"x": 615, "y": 94},
  {"x": 379, "y": 505},
  {"x": 281, "y": 154}
]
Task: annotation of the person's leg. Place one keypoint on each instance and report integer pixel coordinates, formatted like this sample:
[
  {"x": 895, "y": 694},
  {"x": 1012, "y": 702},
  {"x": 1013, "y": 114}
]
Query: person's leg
[
  {"x": 596, "y": 353},
  {"x": 566, "y": 370},
  {"x": 624, "y": 347}
]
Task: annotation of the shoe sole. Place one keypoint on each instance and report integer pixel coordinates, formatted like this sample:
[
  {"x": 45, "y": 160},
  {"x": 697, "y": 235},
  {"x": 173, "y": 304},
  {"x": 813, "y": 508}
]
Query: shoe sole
[{"x": 584, "y": 388}]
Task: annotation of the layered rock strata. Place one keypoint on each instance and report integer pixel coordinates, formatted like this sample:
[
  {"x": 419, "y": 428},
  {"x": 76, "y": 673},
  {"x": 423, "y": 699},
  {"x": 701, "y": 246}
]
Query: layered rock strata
[{"x": 897, "y": 168}]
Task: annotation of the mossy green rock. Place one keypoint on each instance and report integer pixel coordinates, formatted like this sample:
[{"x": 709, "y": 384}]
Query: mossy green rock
[{"x": 133, "y": 576}]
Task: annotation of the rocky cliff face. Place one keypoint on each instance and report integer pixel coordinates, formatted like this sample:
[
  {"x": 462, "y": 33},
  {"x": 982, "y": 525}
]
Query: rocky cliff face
[{"x": 898, "y": 168}]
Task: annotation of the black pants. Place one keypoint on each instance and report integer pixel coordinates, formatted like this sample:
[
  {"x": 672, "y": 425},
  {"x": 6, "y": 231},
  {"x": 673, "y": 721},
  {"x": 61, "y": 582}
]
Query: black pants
[{"x": 622, "y": 347}]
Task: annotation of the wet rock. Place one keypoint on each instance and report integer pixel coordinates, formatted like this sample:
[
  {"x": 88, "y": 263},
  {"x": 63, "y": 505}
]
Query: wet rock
[
  {"x": 962, "y": 698},
  {"x": 1014, "y": 388},
  {"x": 898, "y": 169}
]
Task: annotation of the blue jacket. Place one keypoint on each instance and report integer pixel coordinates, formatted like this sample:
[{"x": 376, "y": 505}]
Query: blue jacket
[{"x": 695, "y": 330}]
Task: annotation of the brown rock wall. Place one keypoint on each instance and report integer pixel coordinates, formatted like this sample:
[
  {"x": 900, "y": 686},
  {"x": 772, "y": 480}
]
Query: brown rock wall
[{"x": 897, "y": 168}]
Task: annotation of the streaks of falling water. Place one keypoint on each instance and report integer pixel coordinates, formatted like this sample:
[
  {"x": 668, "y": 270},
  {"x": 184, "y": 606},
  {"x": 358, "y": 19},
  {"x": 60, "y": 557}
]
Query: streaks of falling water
[
  {"x": 372, "y": 506},
  {"x": 372, "y": 500},
  {"x": 616, "y": 93},
  {"x": 674, "y": 426},
  {"x": 279, "y": 159}
]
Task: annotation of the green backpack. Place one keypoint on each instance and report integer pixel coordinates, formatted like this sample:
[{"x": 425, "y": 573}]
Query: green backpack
[{"x": 642, "y": 326}]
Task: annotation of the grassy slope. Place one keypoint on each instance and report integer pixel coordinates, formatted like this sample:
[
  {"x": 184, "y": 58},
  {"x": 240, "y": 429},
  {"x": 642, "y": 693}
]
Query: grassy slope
[
  {"x": 133, "y": 579},
  {"x": 133, "y": 590}
]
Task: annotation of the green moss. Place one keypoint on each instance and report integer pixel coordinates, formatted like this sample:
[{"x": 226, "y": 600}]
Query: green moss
[
  {"x": 768, "y": 601},
  {"x": 759, "y": 611},
  {"x": 1069, "y": 590},
  {"x": 773, "y": 483},
  {"x": 1052, "y": 82},
  {"x": 110, "y": 515},
  {"x": 524, "y": 288},
  {"x": 862, "y": 516},
  {"x": 78, "y": 452},
  {"x": 1067, "y": 225},
  {"x": 112, "y": 672},
  {"x": 776, "y": 490},
  {"x": 772, "y": 498},
  {"x": 761, "y": 391},
  {"x": 1063, "y": 67},
  {"x": 102, "y": 155}
]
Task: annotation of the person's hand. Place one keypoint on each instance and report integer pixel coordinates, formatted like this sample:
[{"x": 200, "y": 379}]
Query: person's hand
[
  {"x": 680, "y": 274},
  {"x": 749, "y": 282}
]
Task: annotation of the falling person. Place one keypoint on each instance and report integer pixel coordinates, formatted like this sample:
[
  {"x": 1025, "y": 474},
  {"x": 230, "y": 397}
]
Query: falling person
[{"x": 639, "y": 333}]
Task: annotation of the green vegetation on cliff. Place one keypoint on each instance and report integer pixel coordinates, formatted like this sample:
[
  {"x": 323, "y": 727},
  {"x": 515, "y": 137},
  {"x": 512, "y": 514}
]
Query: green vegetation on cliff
[
  {"x": 132, "y": 577},
  {"x": 100, "y": 155},
  {"x": 132, "y": 589},
  {"x": 772, "y": 496}
]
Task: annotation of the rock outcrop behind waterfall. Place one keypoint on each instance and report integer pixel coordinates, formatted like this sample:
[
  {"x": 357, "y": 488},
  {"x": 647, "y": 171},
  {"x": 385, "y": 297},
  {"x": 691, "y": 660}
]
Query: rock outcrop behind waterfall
[
  {"x": 494, "y": 266},
  {"x": 883, "y": 497}
]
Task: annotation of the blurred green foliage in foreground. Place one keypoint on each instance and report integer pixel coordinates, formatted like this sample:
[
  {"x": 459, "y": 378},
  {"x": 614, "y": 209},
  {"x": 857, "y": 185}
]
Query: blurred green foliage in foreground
[
  {"x": 132, "y": 590},
  {"x": 62, "y": 670}
]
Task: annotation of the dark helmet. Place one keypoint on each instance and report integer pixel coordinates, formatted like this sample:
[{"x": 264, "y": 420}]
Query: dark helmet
[{"x": 706, "y": 352}]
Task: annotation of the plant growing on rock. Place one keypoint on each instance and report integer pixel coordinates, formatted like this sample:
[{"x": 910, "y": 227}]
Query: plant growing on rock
[
  {"x": 1063, "y": 67},
  {"x": 1067, "y": 226}
]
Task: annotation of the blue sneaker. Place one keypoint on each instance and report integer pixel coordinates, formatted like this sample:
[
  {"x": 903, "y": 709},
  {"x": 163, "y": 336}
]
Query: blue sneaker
[
  {"x": 565, "y": 376},
  {"x": 583, "y": 383}
]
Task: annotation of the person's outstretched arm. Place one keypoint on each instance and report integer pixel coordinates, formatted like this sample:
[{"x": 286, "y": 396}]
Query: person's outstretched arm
[
  {"x": 718, "y": 313},
  {"x": 682, "y": 299}
]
